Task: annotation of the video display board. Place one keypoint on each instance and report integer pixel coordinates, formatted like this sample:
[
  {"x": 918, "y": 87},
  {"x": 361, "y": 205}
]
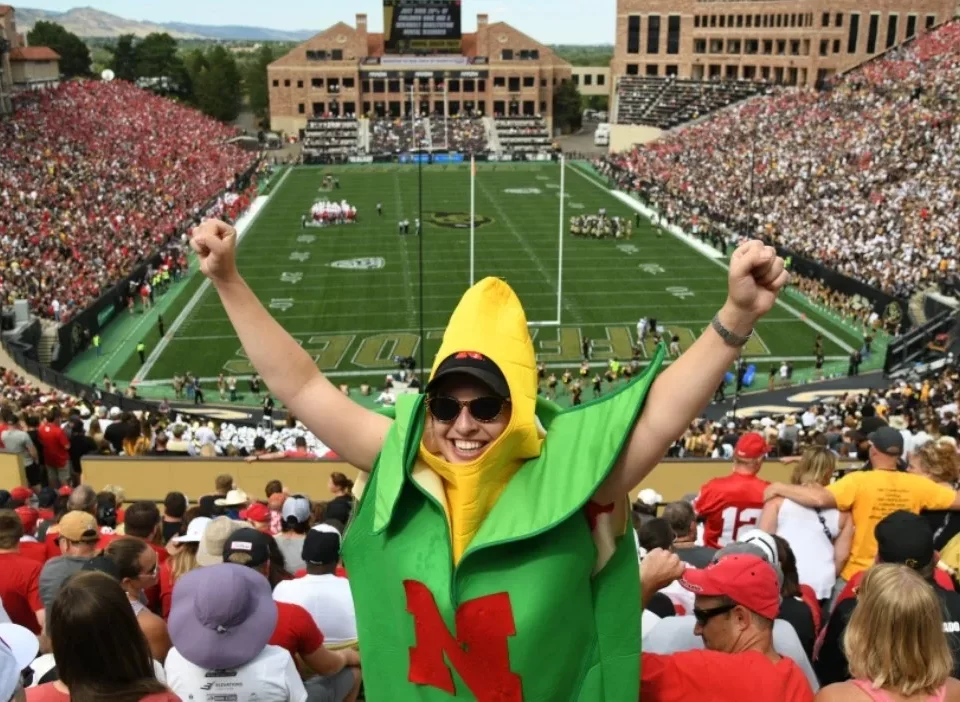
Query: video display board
[{"x": 422, "y": 27}]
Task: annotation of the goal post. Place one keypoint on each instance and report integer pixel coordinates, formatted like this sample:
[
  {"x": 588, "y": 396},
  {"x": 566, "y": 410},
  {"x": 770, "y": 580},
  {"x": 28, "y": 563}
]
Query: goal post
[{"x": 560, "y": 239}]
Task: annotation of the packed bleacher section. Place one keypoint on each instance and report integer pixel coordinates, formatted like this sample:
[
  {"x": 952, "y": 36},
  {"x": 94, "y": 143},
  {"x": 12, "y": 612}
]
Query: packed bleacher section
[
  {"x": 331, "y": 139},
  {"x": 397, "y": 136},
  {"x": 523, "y": 135},
  {"x": 463, "y": 133},
  {"x": 859, "y": 177},
  {"x": 666, "y": 102},
  {"x": 94, "y": 176}
]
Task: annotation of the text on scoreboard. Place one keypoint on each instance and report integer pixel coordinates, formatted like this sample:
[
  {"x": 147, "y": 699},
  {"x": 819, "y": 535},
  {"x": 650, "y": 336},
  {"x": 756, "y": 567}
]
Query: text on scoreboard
[{"x": 422, "y": 26}]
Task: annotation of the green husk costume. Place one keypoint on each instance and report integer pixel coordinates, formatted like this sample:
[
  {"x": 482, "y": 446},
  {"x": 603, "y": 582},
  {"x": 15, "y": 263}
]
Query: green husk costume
[{"x": 499, "y": 581}]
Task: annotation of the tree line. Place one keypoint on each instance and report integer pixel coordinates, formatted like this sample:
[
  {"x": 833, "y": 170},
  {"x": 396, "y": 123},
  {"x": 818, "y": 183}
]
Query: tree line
[{"x": 211, "y": 78}]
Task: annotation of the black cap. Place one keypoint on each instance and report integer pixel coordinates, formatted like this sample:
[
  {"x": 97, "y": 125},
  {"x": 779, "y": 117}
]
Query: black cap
[
  {"x": 247, "y": 547},
  {"x": 475, "y": 365},
  {"x": 46, "y": 497},
  {"x": 887, "y": 440},
  {"x": 905, "y": 537},
  {"x": 322, "y": 546}
]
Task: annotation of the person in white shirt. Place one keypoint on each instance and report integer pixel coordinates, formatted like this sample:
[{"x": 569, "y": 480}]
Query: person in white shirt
[
  {"x": 220, "y": 642},
  {"x": 642, "y": 328},
  {"x": 324, "y": 595}
]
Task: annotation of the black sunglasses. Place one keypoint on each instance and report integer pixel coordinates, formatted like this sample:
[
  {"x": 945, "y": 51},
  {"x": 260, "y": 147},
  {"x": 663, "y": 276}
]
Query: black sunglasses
[
  {"x": 483, "y": 409},
  {"x": 705, "y": 615}
]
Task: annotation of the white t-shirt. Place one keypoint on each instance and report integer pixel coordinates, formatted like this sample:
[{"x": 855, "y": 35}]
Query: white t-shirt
[
  {"x": 329, "y": 601},
  {"x": 814, "y": 550},
  {"x": 270, "y": 677}
]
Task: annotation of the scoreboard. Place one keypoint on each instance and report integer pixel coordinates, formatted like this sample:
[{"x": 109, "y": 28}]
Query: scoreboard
[{"x": 422, "y": 26}]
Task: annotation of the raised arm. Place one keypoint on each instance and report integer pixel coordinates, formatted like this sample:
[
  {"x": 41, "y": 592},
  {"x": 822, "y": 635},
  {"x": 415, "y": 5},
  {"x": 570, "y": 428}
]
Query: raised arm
[
  {"x": 815, "y": 496},
  {"x": 354, "y": 432},
  {"x": 756, "y": 276}
]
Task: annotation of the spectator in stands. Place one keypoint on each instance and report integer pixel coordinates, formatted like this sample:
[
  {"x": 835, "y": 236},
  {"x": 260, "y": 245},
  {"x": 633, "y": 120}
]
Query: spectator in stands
[
  {"x": 276, "y": 496},
  {"x": 737, "y": 600},
  {"x": 903, "y": 538},
  {"x": 941, "y": 464},
  {"x": 742, "y": 491},
  {"x": 56, "y": 448},
  {"x": 177, "y": 446},
  {"x": 174, "y": 507},
  {"x": 233, "y": 503},
  {"x": 683, "y": 520},
  {"x": 324, "y": 595},
  {"x": 296, "y": 517},
  {"x": 15, "y": 439},
  {"x": 100, "y": 651},
  {"x": 341, "y": 487},
  {"x": 215, "y": 535},
  {"x": 19, "y": 576},
  {"x": 338, "y": 675},
  {"x": 802, "y": 612},
  {"x": 895, "y": 642},
  {"x": 181, "y": 562},
  {"x": 77, "y": 535},
  {"x": 223, "y": 484},
  {"x": 299, "y": 451},
  {"x": 137, "y": 570},
  {"x": 223, "y": 641},
  {"x": 870, "y": 496},
  {"x": 258, "y": 516},
  {"x": 821, "y": 538}
]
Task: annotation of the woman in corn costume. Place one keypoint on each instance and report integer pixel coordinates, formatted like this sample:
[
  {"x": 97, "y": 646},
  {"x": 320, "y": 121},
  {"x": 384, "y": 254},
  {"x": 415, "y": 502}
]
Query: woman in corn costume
[{"x": 487, "y": 556}]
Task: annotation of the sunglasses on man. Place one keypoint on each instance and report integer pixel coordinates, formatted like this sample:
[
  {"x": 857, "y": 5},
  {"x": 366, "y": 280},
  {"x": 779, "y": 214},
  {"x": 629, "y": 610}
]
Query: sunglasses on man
[
  {"x": 705, "y": 615},
  {"x": 483, "y": 409}
]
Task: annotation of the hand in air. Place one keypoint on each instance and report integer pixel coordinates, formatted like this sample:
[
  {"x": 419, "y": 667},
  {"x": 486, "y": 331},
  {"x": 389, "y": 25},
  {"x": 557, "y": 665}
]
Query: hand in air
[
  {"x": 756, "y": 277},
  {"x": 216, "y": 244},
  {"x": 660, "y": 568}
]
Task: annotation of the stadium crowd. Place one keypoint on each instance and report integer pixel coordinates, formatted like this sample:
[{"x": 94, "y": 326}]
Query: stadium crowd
[
  {"x": 396, "y": 136},
  {"x": 94, "y": 177},
  {"x": 868, "y": 166}
]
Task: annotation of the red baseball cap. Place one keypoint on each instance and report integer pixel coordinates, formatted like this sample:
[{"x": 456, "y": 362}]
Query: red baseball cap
[
  {"x": 29, "y": 516},
  {"x": 21, "y": 494},
  {"x": 751, "y": 447},
  {"x": 746, "y": 579},
  {"x": 257, "y": 512},
  {"x": 65, "y": 490}
]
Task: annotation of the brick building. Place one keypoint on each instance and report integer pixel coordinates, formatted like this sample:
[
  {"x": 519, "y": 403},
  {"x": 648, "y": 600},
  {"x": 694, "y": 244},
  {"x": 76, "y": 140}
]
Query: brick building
[
  {"x": 344, "y": 70},
  {"x": 22, "y": 67},
  {"x": 793, "y": 42}
]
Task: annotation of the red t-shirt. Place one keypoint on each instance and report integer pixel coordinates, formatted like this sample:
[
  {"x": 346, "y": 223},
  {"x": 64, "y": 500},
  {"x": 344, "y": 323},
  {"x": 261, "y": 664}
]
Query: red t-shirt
[
  {"x": 728, "y": 505},
  {"x": 719, "y": 677},
  {"x": 55, "y": 445},
  {"x": 18, "y": 589},
  {"x": 299, "y": 454},
  {"x": 49, "y": 693},
  {"x": 166, "y": 588},
  {"x": 35, "y": 551},
  {"x": 295, "y": 630}
]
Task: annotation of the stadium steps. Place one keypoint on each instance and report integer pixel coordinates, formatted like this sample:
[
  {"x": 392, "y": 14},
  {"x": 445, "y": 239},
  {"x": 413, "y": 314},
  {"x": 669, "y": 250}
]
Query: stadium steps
[
  {"x": 493, "y": 138},
  {"x": 48, "y": 342},
  {"x": 363, "y": 136},
  {"x": 428, "y": 127},
  {"x": 667, "y": 84}
]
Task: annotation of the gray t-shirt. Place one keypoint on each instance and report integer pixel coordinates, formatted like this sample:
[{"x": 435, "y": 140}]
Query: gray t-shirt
[
  {"x": 54, "y": 573},
  {"x": 292, "y": 548},
  {"x": 17, "y": 441}
]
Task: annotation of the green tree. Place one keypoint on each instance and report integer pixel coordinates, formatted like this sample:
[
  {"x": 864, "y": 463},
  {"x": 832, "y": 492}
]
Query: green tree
[
  {"x": 124, "y": 60},
  {"x": 156, "y": 55},
  {"x": 219, "y": 92},
  {"x": 255, "y": 81},
  {"x": 566, "y": 107},
  {"x": 74, "y": 54}
]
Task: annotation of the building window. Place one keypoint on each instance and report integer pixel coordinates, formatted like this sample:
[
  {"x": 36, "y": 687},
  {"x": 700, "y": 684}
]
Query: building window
[
  {"x": 672, "y": 69},
  {"x": 653, "y": 34},
  {"x": 543, "y": 107},
  {"x": 699, "y": 46},
  {"x": 378, "y": 86},
  {"x": 749, "y": 72},
  {"x": 836, "y": 46},
  {"x": 781, "y": 47},
  {"x": 513, "y": 84},
  {"x": 301, "y": 109},
  {"x": 317, "y": 108},
  {"x": 733, "y": 46},
  {"x": 749, "y": 21},
  {"x": 872, "y": 30},
  {"x": 723, "y": 20},
  {"x": 286, "y": 83},
  {"x": 824, "y": 47},
  {"x": 481, "y": 85},
  {"x": 530, "y": 82},
  {"x": 911, "y": 26},
  {"x": 739, "y": 20},
  {"x": 853, "y": 36},
  {"x": 673, "y": 34},
  {"x": 529, "y": 108},
  {"x": 825, "y": 20},
  {"x": 713, "y": 20},
  {"x": 543, "y": 82},
  {"x": 349, "y": 83},
  {"x": 716, "y": 46},
  {"x": 891, "y": 30},
  {"x": 653, "y": 69},
  {"x": 454, "y": 85},
  {"x": 930, "y": 21},
  {"x": 752, "y": 46},
  {"x": 633, "y": 35},
  {"x": 768, "y": 46},
  {"x": 276, "y": 83},
  {"x": 794, "y": 47},
  {"x": 587, "y": 79},
  {"x": 506, "y": 55},
  {"x": 470, "y": 87},
  {"x": 316, "y": 82},
  {"x": 838, "y": 20},
  {"x": 299, "y": 83},
  {"x": 393, "y": 86},
  {"x": 499, "y": 82},
  {"x": 696, "y": 20},
  {"x": 601, "y": 79},
  {"x": 576, "y": 79},
  {"x": 633, "y": 69}
]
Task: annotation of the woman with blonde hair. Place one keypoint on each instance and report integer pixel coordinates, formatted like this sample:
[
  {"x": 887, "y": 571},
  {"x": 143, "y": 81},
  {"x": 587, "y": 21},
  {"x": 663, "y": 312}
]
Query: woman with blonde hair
[
  {"x": 184, "y": 557},
  {"x": 939, "y": 462},
  {"x": 820, "y": 538},
  {"x": 895, "y": 644}
]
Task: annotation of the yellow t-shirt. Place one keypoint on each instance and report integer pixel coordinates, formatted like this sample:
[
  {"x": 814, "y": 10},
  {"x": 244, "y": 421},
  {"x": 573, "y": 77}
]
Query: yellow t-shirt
[{"x": 872, "y": 495}]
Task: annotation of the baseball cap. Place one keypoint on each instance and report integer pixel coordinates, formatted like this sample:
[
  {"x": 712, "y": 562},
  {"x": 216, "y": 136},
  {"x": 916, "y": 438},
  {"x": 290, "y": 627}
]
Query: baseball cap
[
  {"x": 225, "y": 631},
  {"x": 762, "y": 541},
  {"x": 746, "y": 579},
  {"x": 21, "y": 494},
  {"x": 18, "y": 648},
  {"x": 215, "y": 536},
  {"x": 29, "y": 517},
  {"x": 750, "y": 447},
  {"x": 257, "y": 512},
  {"x": 66, "y": 490},
  {"x": 195, "y": 530},
  {"x": 79, "y": 527},
  {"x": 296, "y": 507},
  {"x": 475, "y": 365},
  {"x": 247, "y": 547},
  {"x": 887, "y": 440},
  {"x": 46, "y": 497},
  {"x": 234, "y": 498},
  {"x": 322, "y": 545},
  {"x": 904, "y": 537}
]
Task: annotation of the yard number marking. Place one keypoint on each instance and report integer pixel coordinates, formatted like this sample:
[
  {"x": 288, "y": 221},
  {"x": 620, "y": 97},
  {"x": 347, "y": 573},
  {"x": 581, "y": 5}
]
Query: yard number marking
[
  {"x": 291, "y": 278},
  {"x": 281, "y": 304}
]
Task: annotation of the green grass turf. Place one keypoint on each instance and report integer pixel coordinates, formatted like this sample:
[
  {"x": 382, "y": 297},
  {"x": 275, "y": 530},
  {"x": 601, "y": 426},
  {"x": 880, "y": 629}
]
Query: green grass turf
[{"x": 354, "y": 321}]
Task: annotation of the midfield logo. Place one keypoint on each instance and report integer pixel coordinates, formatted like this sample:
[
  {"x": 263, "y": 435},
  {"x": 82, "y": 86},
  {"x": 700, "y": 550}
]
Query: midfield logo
[
  {"x": 360, "y": 264},
  {"x": 456, "y": 220}
]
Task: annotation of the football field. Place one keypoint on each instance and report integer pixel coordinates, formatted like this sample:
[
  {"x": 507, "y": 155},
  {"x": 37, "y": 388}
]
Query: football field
[{"x": 350, "y": 294}]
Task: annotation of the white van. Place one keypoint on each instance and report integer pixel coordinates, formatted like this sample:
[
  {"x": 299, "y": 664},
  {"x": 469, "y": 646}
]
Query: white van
[{"x": 602, "y": 136}]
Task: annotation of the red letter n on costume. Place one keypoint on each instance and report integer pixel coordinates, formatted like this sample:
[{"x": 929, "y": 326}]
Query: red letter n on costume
[{"x": 478, "y": 651}]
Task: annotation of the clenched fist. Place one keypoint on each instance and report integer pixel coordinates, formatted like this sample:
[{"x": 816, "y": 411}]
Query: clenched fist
[
  {"x": 757, "y": 275},
  {"x": 216, "y": 244},
  {"x": 660, "y": 568}
]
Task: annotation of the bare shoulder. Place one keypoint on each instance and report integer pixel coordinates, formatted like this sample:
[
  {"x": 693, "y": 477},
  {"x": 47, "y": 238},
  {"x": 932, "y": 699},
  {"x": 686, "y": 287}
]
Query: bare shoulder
[
  {"x": 837, "y": 692},
  {"x": 953, "y": 690}
]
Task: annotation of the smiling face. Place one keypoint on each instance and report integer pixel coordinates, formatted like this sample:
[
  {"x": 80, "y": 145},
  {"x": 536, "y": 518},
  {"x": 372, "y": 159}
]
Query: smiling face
[{"x": 464, "y": 439}]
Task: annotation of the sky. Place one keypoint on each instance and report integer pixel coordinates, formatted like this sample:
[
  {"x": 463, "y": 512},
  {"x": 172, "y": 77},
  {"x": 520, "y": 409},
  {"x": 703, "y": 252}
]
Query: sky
[{"x": 548, "y": 21}]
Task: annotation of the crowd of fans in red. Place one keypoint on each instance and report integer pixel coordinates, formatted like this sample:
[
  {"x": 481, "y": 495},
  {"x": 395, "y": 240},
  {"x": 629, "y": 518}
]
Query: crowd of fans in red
[{"x": 94, "y": 177}]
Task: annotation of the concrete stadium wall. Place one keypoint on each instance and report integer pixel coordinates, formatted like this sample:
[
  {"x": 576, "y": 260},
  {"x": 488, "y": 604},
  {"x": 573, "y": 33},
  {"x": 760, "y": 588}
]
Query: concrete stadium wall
[
  {"x": 153, "y": 478},
  {"x": 624, "y": 136}
]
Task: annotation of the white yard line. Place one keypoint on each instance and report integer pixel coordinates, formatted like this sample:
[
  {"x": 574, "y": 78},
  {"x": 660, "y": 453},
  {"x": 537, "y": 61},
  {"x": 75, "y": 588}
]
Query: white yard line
[
  {"x": 405, "y": 255},
  {"x": 712, "y": 255},
  {"x": 243, "y": 225}
]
